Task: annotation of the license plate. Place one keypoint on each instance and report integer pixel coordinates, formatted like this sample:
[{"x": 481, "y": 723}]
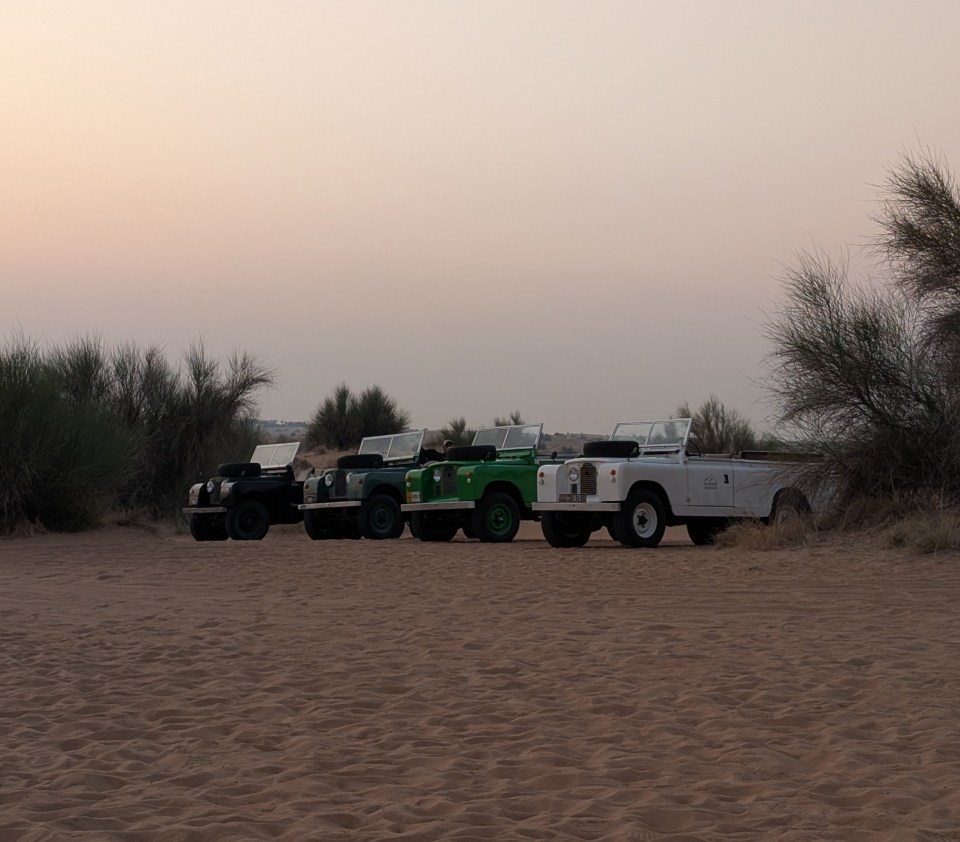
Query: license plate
[{"x": 573, "y": 498}]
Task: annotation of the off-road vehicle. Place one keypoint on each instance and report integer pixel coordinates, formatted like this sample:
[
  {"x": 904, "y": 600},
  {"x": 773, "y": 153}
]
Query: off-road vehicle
[
  {"x": 245, "y": 498},
  {"x": 361, "y": 497},
  {"x": 485, "y": 488},
  {"x": 649, "y": 475}
]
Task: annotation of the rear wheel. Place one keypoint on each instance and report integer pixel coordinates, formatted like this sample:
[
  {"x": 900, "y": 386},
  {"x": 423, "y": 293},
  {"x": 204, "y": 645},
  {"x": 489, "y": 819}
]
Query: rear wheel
[
  {"x": 247, "y": 521},
  {"x": 641, "y": 521},
  {"x": 380, "y": 518},
  {"x": 496, "y": 518},
  {"x": 428, "y": 527},
  {"x": 563, "y": 530},
  {"x": 789, "y": 507},
  {"x": 208, "y": 528}
]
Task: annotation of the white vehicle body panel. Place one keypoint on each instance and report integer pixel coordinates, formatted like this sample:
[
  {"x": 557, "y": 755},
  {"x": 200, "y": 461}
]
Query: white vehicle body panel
[{"x": 714, "y": 486}]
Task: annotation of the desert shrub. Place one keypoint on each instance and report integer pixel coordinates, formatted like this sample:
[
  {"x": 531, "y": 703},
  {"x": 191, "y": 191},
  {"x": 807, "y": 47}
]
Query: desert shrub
[
  {"x": 868, "y": 375},
  {"x": 343, "y": 419},
  {"x": 716, "y": 428},
  {"x": 751, "y": 534},
  {"x": 186, "y": 420},
  {"x": 84, "y": 429},
  {"x": 61, "y": 458},
  {"x": 457, "y": 431},
  {"x": 512, "y": 419}
]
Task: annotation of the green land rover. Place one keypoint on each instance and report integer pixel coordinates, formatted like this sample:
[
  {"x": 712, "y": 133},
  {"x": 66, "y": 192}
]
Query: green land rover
[{"x": 485, "y": 489}]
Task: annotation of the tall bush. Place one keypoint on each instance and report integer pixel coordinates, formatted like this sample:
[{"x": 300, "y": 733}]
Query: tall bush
[
  {"x": 716, "y": 428},
  {"x": 61, "y": 458},
  {"x": 869, "y": 374},
  {"x": 343, "y": 418},
  {"x": 84, "y": 428}
]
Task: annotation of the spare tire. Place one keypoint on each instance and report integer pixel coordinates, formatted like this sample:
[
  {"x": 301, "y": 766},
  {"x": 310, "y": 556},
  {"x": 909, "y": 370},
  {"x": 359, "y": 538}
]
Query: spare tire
[
  {"x": 617, "y": 449},
  {"x": 360, "y": 460},
  {"x": 239, "y": 469},
  {"x": 471, "y": 453}
]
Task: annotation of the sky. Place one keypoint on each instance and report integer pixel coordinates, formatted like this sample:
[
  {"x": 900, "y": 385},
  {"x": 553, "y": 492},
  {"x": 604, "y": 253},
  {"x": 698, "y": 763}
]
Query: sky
[{"x": 580, "y": 210}]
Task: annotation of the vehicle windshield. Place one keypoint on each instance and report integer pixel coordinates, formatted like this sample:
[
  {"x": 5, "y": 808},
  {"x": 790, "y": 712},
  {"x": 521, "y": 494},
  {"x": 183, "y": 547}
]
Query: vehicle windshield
[
  {"x": 512, "y": 437},
  {"x": 275, "y": 455},
  {"x": 653, "y": 436},
  {"x": 402, "y": 447}
]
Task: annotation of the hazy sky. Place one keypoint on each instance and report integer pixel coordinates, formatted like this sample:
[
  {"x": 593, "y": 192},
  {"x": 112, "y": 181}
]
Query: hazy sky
[{"x": 581, "y": 210}]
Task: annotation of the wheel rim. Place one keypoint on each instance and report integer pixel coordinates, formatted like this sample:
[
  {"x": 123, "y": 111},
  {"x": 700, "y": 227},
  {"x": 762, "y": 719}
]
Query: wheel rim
[
  {"x": 644, "y": 520},
  {"x": 382, "y": 519},
  {"x": 249, "y": 521},
  {"x": 499, "y": 519},
  {"x": 787, "y": 513}
]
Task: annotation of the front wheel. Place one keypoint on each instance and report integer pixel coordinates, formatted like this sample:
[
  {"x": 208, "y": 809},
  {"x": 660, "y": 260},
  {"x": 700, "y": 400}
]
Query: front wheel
[
  {"x": 641, "y": 521},
  {"x": 563, "y": 530},
  {"x": 432, "y": 528},
  {"x": 249, "y": 520},
  {"x": 315, "y": 526},
  {"x": 496, "y": 519},
  {"x": 208, "y": 528},
  {"x": 380, "y": 518}
]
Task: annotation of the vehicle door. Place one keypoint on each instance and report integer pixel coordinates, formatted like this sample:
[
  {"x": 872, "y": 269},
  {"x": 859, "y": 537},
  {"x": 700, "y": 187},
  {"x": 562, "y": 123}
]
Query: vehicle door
[{"x": 709, "y": 482}]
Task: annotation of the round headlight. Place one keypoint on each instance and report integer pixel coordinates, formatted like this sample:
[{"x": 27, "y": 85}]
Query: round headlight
[
  {"x": 573, "y": 474},
  {"x": 210, "y": 487},
  {"x": 436, "y": 476},
  {"x": 328, "y": 480}
]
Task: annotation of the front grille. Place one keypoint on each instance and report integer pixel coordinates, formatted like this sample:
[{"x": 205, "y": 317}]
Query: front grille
[
  {"x": 339, "y": 484},
  {"x": 448, "y": 481},
  {"x": 215, "y": 495},
  {"x": 588, "y": 478}
]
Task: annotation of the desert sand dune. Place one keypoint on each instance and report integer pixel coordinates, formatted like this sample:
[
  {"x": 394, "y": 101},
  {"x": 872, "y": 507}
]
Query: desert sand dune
[{"x": 155, "y": 688}]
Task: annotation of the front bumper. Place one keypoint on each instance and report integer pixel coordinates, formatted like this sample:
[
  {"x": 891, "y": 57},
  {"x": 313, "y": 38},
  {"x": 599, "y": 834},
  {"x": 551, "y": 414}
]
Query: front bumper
[
  {"x": 336, "y": 504},
  {"x": 576, "y": 507},
  {"x": 436, "y": 507},
  {"x": 204, "y": 510}
]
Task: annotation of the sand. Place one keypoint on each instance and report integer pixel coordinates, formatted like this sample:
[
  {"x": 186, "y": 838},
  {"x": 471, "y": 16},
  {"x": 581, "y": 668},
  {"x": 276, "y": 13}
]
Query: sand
[{"x": 155, "y": 688}]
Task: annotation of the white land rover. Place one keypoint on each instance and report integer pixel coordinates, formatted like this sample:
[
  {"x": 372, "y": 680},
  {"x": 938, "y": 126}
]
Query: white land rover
[{"x": 644, "y": 478}]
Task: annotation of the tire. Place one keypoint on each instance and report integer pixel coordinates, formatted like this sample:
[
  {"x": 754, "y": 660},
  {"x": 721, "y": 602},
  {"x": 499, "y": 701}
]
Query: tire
[
  {"x": 471, "y": 453},
  {"x": 360, "y": 460},
  {"x": 434, "y": 528},
  {"x": 563, "y": 531},
  {"x": 789, "y": 506},
  {"x": 641, "y": 521},
  {"x": 380, "y": 518},
  {"x": 316, "y": 527},
  {"x": 616, "y": 449},
  {"x": 232, "y": 470},
  {"x": 496, "y": 518},
  {"x": 247, "y": 521},
  {"x": 704, "y": 530},
  {"x": 208, "y": 528}
]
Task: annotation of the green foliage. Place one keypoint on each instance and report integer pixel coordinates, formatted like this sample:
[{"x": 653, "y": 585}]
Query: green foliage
[
  {"x": 457, "y": 431},
  {"x": 84, "y": 429},
  {"x": 61, "y": 456},
  {"x": 343, "y": 419},
  {"x": 869, "y": 376},
  {"x": 717, "y": 429}
]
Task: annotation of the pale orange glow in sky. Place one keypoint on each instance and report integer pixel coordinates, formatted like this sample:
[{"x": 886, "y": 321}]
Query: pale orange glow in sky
[{"x": 576, "y": 209}]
